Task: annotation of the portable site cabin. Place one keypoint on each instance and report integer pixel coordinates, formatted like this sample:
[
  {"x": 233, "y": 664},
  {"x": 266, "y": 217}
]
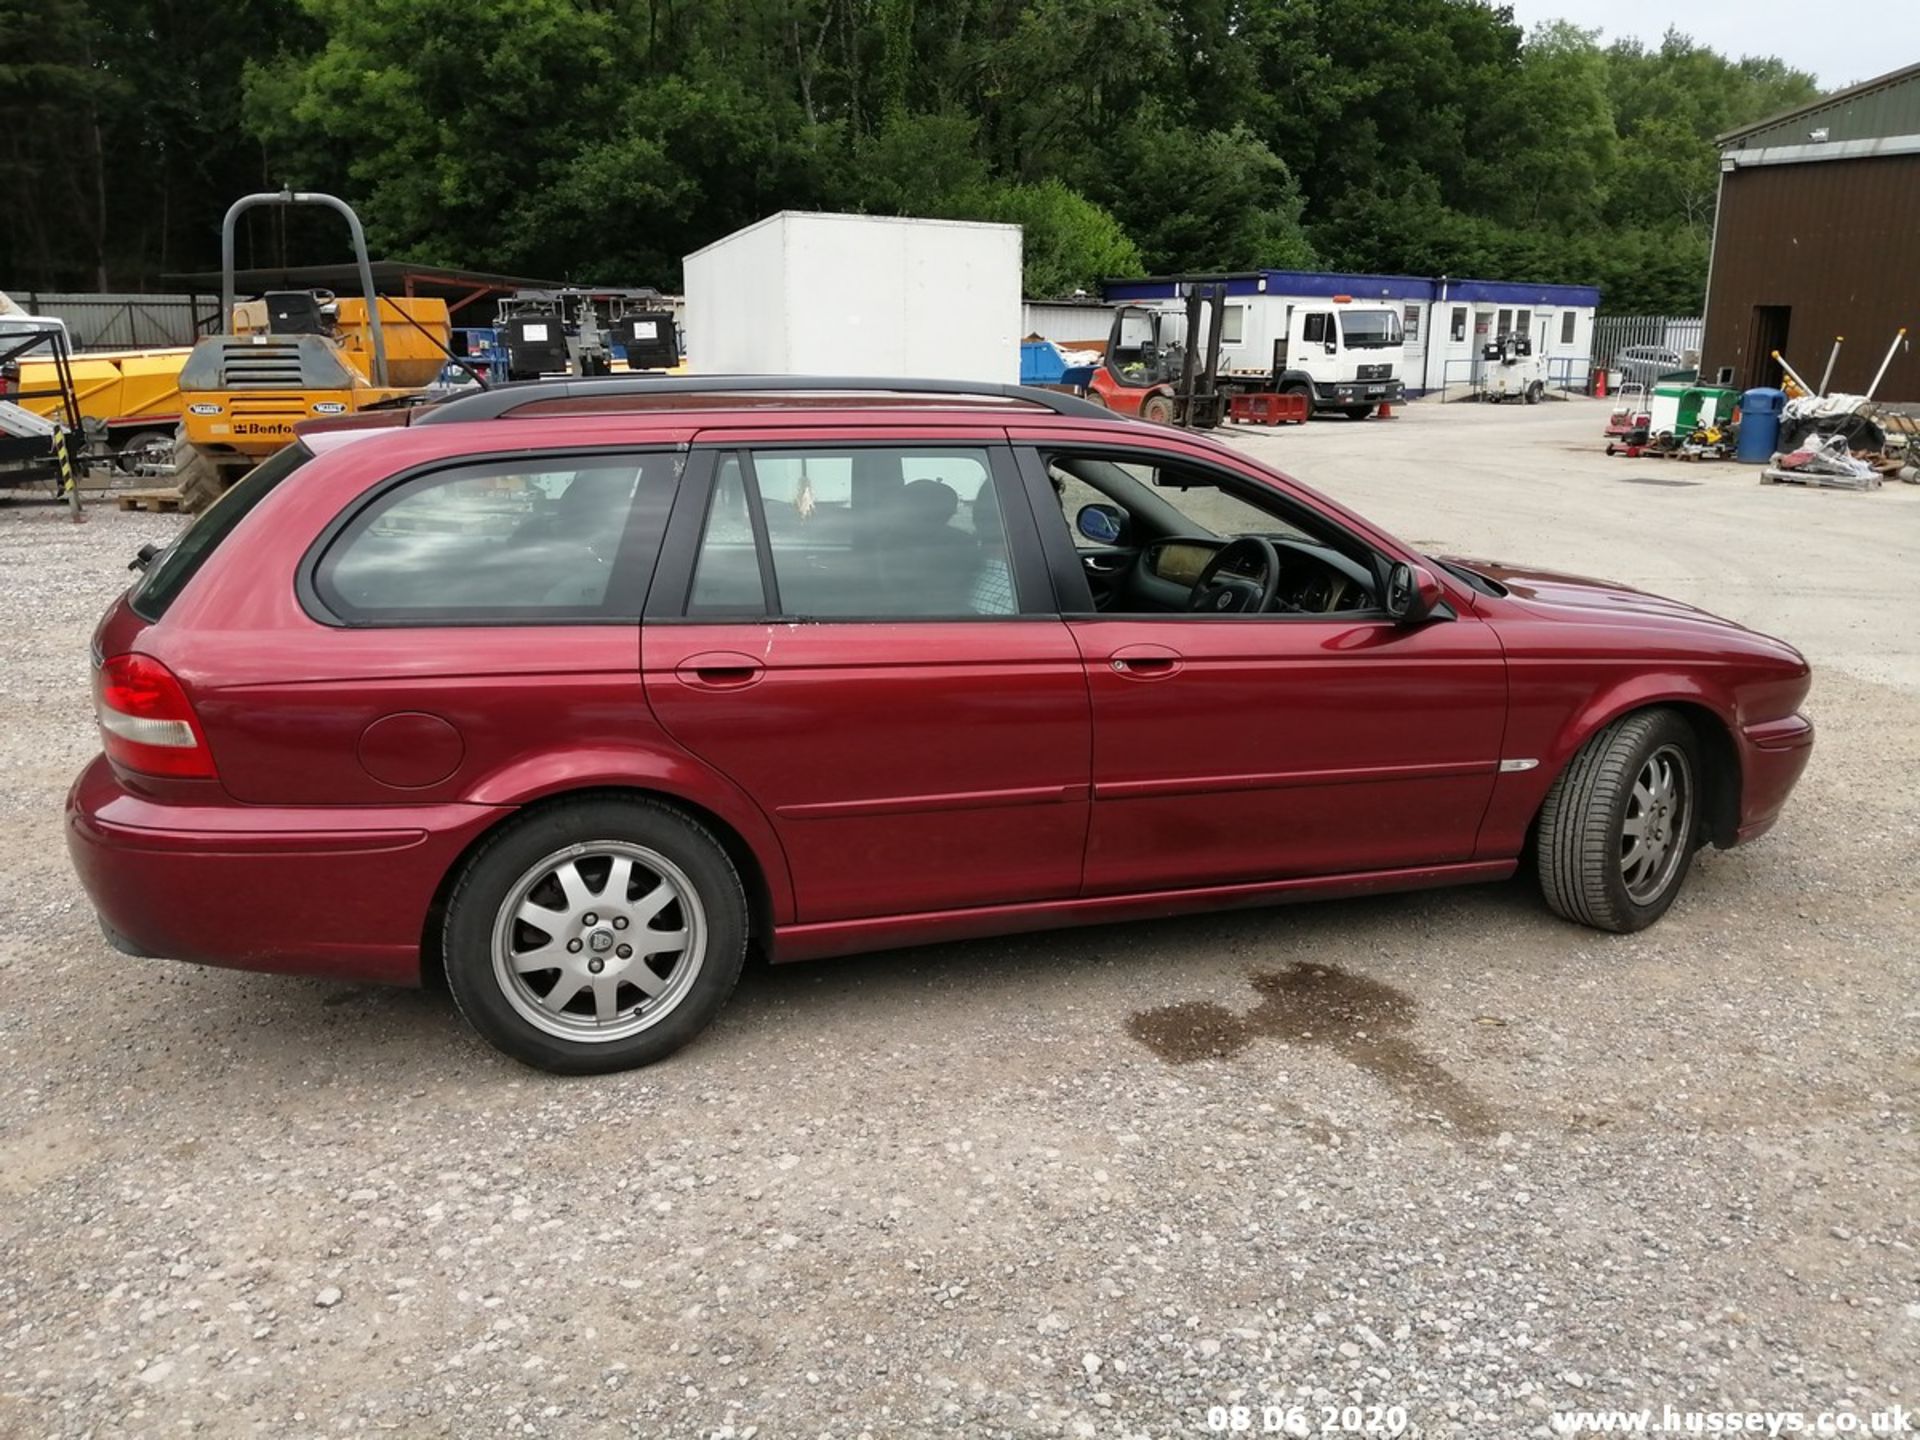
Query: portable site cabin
[
  {"x": 800, "y": 293},
  {"x": 1448, "y": 323}
]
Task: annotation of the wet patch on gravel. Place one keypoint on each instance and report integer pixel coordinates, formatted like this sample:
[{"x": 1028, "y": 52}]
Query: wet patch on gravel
[{"x": 1361, "y": 1020}]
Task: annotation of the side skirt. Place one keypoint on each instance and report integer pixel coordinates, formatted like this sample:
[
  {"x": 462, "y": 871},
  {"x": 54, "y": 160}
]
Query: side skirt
[{"x": 885, "y": 932}]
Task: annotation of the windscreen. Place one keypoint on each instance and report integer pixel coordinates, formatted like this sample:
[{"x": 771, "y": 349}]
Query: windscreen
[{"x": 1369, "y": 329}]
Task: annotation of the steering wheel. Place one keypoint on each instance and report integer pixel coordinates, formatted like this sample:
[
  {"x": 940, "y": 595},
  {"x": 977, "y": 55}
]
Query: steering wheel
[{"x": 1217, "y": 594}]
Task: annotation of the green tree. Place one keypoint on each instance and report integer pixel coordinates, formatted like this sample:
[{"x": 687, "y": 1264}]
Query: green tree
[
  {"x": 1207, "y": 200},
  {"x": 1070, "y": 243},
  {"x": 121, "y": 141},
  {"x": 604, "y": 139}
]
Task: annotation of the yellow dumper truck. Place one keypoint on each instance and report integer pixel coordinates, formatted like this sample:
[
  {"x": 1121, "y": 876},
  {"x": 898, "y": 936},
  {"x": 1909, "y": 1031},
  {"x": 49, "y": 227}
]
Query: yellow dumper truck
[{"x": 292, "y": 355}]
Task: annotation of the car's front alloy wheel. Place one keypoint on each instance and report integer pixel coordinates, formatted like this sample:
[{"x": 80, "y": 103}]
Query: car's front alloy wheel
[
  {"x": 596, "y": 935},
  {"x": 1618, "y": 830}
]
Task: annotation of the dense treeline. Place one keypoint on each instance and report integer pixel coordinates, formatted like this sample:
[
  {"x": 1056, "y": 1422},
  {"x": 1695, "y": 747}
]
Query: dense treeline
[{"x": 600, "y": 140}]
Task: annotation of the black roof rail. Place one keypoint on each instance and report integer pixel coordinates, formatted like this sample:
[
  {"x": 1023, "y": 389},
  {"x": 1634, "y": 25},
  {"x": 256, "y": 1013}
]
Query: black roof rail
[{"x": 499, "y": 400}]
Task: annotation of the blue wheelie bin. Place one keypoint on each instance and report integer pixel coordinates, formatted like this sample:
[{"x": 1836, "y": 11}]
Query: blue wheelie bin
[{"x": 1759, "y": 425}]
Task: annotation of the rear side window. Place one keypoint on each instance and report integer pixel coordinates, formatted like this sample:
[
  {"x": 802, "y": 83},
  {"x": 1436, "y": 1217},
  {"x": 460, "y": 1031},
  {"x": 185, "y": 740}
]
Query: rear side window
[
  {"x": 866, "y": 532},
  {"x": 170, "y": 571},
  {"x": 504, "y": 542}
]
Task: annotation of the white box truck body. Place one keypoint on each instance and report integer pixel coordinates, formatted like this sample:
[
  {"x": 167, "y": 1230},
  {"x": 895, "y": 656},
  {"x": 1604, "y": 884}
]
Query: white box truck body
[{"x": 812, "y": 294}]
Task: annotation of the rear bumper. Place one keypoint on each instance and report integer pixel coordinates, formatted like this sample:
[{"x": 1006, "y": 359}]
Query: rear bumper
[
  {"x": 341, "y": 893},
  {"x": 1772, "y": 755}
]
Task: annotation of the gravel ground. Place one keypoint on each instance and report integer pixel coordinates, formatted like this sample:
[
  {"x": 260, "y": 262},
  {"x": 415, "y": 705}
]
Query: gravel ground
[{"x": 1439, "y": 1151}]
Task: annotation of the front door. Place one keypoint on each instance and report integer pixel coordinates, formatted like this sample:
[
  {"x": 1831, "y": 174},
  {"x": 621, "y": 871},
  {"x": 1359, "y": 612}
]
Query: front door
[
  {"x": 861, "y": 645},
  {"x": 1766, "y": 337},
  {"x": 1319, "y": 739}
]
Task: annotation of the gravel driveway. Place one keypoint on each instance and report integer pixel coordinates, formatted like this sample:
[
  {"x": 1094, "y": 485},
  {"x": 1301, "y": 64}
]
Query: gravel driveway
[{"x": 1435, "y": 1151}]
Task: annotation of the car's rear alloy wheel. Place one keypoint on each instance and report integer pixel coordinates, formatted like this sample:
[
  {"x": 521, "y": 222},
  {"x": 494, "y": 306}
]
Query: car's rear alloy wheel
[
  {"x": 596, "y": 936},
  {"x": 1619, "y": 828}
]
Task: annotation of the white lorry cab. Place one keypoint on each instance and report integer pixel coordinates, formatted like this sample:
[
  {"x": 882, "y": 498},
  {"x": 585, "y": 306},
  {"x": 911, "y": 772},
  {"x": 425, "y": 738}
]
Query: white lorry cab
[{"x": 1343, "y": 356}]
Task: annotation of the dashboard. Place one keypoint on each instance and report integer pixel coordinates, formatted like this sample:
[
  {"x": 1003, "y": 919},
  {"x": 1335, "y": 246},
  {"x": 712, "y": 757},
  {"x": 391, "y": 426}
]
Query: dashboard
[{"x": 1313, "y": 578}]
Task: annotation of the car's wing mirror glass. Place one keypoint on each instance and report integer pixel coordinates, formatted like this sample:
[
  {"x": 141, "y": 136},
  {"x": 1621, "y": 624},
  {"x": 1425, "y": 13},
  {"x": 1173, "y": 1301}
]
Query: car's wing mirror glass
[
  {"x": 1413, "y": 593},
  {"x": 1102, "y": 524}
]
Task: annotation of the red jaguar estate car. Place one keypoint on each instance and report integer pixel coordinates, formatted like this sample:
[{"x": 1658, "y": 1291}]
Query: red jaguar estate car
[{"x": 577, "y": 689}]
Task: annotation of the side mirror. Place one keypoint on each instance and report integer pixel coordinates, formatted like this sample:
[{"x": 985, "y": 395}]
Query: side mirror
[
  {"x": 1413, "y": 593},
  {"x": 1333, "y": 347},
  {"x": 1102, "y": 524}
]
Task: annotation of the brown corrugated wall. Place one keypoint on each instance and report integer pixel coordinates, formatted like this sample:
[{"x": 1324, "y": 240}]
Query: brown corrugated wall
[{"x": 1838, "y": 241}]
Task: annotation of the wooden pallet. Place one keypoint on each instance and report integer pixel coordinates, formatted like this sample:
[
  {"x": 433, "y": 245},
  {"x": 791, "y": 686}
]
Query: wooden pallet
[
  {"x": 163, "y": 501},
  {"x": 1773, "y": 475}
]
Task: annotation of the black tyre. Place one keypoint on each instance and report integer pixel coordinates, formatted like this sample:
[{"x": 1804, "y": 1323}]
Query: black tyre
[
  {"x": 1158, "y": 409},
  {"x": 1619, "y": 827},
  {"x": 1357, "y": 412},
  {"x": 200, "y": 481},
  {"x": 1536, "y": 392},
  {"x": 596, "y": 935},
  {"x": 1304, "y": 392}
]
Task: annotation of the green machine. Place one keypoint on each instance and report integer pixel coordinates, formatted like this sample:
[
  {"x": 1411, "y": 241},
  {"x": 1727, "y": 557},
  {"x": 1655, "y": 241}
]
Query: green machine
[{"x": 1680, "y": 407}]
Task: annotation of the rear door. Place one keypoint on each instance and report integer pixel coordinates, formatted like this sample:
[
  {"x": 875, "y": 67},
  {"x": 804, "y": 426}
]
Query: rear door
[{"x": 862, "y": 637}]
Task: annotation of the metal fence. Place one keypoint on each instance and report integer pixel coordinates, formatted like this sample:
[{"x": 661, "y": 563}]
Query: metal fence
[
  {"x": 1614, "y": 333},
  {"x": 126, "y": 322}
]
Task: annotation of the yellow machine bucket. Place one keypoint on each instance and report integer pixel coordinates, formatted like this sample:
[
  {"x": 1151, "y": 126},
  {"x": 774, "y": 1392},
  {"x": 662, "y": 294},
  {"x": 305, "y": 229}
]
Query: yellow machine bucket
[{"x": 417, "y": 331}]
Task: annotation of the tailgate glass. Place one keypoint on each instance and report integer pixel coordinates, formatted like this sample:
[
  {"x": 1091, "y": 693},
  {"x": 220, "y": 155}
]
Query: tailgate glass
[{"x": 173, "y": 567}]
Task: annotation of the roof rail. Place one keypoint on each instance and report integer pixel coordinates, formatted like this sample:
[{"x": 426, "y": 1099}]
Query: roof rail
[{"x": 499, "y": 400}]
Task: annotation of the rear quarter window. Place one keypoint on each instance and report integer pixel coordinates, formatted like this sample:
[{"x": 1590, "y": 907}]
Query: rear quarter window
[
  {"x": 551, "y": 539},
  {"x": 167, "y": 575}
]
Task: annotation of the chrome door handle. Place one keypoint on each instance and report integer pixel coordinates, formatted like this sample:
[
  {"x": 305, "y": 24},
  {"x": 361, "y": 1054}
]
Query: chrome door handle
[{"x": 1145, "y": 662}]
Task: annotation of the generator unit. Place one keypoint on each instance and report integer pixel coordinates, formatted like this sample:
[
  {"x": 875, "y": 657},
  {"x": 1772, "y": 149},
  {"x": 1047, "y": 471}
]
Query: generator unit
[
  {"x": 536, "y": 345},
  {"x": 1509, "y": 370},
  {"x": 649, "y": 339},
  {"x": 584, "y": 332}
]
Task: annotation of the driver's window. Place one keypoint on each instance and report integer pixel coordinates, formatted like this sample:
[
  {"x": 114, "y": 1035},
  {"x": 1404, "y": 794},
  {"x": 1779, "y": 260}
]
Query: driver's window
[
  {"x": 1174, "y": 517},
  {"x": 1215, "y": 510}
]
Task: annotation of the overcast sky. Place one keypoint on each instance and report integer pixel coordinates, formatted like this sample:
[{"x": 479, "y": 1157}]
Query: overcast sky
[{"x": 1838, "y": 41}]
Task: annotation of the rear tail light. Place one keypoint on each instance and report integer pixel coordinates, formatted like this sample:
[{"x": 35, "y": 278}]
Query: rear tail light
[{"x": 147, "y": 723}]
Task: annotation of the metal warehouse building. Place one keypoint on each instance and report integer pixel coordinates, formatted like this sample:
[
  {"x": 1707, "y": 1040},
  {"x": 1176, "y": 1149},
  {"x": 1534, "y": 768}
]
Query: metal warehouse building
[
  {"x": 1817, "y": 235},
  {"x": 1447, "y": 321}
]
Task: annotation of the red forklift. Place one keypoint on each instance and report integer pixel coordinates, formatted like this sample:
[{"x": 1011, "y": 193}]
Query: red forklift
[{"x": 1164, "y": 366}]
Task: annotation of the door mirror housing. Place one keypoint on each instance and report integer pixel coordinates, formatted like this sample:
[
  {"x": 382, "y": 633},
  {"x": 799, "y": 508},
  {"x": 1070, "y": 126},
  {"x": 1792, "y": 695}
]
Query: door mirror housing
[
  {"x": 1102, "y": 524},
  {"x": 1413, "y": 593},
  {"x": 1333, "y": 347}
]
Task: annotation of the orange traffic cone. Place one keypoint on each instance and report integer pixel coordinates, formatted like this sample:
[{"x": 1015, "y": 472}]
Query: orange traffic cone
[
  {"x": 1386, "y": 410},
  {"x": 1600, "y": 383}
]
